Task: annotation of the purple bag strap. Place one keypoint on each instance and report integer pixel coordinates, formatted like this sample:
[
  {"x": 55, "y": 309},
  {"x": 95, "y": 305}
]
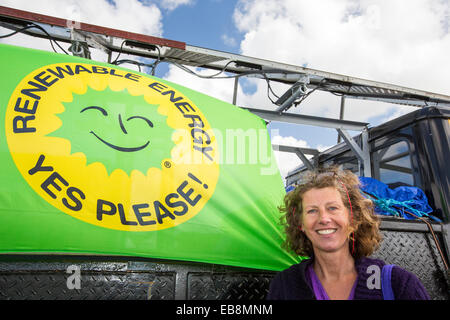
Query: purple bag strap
[{"x": 386, "y": 286}]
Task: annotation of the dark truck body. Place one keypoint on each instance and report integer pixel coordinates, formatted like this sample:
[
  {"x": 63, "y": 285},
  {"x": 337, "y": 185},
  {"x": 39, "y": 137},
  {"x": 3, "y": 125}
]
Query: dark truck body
[{"x": 422, "y": 137}]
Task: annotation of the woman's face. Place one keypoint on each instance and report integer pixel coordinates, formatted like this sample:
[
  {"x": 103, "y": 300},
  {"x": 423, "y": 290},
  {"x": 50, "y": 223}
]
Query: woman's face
[{"x": 325, "y": 219}]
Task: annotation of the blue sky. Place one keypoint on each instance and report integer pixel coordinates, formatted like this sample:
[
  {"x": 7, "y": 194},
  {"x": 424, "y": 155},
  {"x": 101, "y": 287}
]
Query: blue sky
[
  {"x": 370, "y": 39},
  {"x": 203, "y": 24},
  {"x": 209, "y": 24}
]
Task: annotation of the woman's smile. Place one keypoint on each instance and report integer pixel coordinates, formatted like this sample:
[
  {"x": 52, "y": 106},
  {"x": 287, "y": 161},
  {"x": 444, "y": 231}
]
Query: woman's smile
[
  {"x": 326, "y": 231},
  {"x": 325, "y": 219}
]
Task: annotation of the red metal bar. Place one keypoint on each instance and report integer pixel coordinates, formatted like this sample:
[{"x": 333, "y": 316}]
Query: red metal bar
[{"x": 40, "y": 18}]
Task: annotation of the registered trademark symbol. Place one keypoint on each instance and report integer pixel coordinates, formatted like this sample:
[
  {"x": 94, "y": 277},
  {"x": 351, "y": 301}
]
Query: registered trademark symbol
[{"x": 167, "y": 164}]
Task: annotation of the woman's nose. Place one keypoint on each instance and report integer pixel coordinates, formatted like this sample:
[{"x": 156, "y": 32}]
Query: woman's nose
[{"x": 324, "y": 216}]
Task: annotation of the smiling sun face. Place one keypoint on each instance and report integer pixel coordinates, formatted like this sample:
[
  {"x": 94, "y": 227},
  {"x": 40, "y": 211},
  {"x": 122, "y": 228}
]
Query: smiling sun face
[
  {"x": 114, "y": 151},
  {"x": 116, "y": 129},
  {"x": 122, "y": 127}
]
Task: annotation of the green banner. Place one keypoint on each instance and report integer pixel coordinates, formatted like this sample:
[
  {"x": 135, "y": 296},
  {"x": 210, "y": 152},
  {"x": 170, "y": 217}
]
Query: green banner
[{"x": 98, "y": 159}]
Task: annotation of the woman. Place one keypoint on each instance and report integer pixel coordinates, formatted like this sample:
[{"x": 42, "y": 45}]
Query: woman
[{"x": 327, "y": 219}]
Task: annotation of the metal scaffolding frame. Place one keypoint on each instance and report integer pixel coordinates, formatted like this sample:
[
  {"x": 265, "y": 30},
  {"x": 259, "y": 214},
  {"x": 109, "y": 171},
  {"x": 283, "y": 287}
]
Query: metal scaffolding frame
[{"x": 82, "y": 37}]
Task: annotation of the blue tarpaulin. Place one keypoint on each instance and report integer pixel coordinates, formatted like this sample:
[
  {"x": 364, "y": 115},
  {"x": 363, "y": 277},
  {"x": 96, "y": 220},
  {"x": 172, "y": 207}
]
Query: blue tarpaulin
[
  {"x": 289, "y": 188},
  {"x": 394, "y": 202}
]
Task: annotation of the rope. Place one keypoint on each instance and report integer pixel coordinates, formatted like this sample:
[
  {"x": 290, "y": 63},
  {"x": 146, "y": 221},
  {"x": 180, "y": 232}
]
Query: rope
[
  {"x": 430, "y": 228},
  {"x": 389, "y": 206}
]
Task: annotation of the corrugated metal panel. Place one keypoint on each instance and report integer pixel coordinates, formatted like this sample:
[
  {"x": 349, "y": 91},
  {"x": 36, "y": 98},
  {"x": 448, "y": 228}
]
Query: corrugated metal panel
[
  {"x": 190, "y": 58},
  {"x": 179, "y": 52}
]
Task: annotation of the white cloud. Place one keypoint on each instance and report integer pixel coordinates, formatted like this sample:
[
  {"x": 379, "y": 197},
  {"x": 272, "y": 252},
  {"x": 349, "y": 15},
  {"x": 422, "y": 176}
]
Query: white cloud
[
  {"x": 229, "y": 41},
  {"x": 127, "y": 15},
  {"x": 173, "y": 4},
  {"x": 287, "y": 161},
  {"x": 387, "y": 41},
  {"x": 218, "y": 88}
]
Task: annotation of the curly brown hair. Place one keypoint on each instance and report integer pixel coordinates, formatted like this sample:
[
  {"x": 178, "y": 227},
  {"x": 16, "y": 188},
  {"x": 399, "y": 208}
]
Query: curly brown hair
[{"x": 364, "y": 224}]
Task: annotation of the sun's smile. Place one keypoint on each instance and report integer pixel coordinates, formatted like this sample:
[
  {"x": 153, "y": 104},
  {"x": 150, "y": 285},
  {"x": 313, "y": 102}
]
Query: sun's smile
[
  {"x": 116, "y": 129},
  {"x": 124, "y": 149}
]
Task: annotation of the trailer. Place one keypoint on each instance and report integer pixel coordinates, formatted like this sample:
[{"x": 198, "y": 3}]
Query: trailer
[{"x": 411, "y": 150}]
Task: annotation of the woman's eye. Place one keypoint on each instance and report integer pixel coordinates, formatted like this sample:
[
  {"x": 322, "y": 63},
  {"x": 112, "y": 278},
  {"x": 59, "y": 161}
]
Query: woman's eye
[{"x": 311, "y": 211}]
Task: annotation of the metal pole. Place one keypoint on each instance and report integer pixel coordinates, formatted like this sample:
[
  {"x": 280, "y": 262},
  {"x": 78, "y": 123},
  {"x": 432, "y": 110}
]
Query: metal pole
[
  {"x": 366, "y": 153},
  {"x": 341, "y": 115},
  {"x": 236, "y": 82}
]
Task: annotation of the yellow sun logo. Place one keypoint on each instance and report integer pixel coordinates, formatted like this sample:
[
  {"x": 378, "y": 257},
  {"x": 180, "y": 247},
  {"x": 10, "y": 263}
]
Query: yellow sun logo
[{"x": 112, "y": 148}]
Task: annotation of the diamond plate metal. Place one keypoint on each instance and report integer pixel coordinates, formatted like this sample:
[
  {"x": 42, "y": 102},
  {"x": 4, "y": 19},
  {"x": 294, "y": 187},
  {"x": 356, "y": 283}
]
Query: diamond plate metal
[
  {"x": 228, "y": 286},
  {"x": 416, "y": 252},
  {"x": 122, "y": 278},
  {"x": 52, "y": 285}
]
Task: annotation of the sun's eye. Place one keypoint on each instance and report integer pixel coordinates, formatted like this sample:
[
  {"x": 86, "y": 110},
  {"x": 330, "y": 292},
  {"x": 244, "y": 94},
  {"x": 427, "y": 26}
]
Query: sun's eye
[
  {"x": 143, "y": 118},
  {"x": 103, "y": 111}
]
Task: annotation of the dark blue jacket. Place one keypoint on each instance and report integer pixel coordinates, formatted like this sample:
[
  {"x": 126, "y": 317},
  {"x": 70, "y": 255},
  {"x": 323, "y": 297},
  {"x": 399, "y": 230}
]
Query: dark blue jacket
[{"x": 292, "y": 283}]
